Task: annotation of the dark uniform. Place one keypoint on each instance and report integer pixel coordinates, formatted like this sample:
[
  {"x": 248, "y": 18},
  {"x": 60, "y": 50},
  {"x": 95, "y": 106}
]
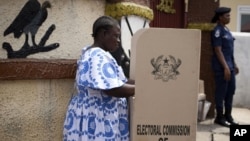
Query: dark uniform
[
  {"x": 225, "y": 89},
  {"x": 222, "y": 37}
]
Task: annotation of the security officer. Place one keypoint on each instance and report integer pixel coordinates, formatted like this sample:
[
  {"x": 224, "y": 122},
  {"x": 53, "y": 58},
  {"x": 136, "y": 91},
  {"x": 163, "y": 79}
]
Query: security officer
[{"x": 224, "y": 67}]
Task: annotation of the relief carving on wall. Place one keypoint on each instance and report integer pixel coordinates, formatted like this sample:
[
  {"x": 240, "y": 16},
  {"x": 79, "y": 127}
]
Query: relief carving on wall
[
  {"x": 28, "y": 21},
  {"x": 166, "y": 6},
  {"x": 119, "y": 8},
  {"x": 139, "y": 2}
]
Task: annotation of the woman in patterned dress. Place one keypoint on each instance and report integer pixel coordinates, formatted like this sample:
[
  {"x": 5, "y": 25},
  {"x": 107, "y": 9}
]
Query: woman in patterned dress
[{"x": 99, "y": 111}]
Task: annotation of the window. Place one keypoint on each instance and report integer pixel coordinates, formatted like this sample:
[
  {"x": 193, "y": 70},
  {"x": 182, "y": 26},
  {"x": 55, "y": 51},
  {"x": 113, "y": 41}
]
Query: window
[{"x": 243, "y": 24}]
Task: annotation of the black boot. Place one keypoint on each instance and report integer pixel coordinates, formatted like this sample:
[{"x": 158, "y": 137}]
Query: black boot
[
  {"x": 221, "y": 120},
  {"x": 229, "y": 117}
]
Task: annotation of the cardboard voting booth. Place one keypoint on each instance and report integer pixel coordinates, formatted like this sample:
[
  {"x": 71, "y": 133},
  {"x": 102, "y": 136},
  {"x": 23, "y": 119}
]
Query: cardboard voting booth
[{"x": 165, "y": 65}]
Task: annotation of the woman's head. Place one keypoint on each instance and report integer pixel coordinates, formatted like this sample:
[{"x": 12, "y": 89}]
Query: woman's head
[
  {"x": 222, "y": 15},
  {"x": 106, "y": 33}
]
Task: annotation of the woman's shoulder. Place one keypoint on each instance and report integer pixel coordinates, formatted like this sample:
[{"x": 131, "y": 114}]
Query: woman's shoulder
[
  {"x": 217, "y": 27},
  {"x": 95, "y": 53},
  {"x": 218, "y": 30},
  {"x": 91, "y": 51}
]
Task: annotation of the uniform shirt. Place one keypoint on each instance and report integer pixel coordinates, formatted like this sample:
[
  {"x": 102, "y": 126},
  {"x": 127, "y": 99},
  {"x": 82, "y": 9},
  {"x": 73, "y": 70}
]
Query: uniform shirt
[{"x": 222, "y": 37}]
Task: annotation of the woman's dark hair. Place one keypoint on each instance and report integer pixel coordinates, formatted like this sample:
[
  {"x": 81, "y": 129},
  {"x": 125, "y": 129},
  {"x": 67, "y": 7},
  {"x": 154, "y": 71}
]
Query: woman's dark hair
[{"x": 103, "y": 22}]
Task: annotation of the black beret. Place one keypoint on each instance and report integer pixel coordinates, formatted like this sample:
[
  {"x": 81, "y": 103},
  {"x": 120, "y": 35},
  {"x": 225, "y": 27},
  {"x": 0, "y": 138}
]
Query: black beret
[{"x": 220, "y": 11}]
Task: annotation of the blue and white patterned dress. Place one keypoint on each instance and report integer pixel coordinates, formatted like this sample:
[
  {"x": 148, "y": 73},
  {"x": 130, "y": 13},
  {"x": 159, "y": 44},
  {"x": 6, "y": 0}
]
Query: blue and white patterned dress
[{"x": 93, "y": 115}]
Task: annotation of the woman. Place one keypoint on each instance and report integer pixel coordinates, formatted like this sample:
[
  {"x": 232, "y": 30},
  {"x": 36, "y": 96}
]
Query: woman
[
  {"x": 224, "y": 67},
  {"x": 99, "y": 111}
]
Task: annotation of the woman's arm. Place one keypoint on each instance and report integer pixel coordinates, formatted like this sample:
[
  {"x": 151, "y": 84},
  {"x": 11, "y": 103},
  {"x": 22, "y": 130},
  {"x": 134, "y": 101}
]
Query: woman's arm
[
  {"x": 125, "y": 90},
  {"x": 221, "y": 58}
]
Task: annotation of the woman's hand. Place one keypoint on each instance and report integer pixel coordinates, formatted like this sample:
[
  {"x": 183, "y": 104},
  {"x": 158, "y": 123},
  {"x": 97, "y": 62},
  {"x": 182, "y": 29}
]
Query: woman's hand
[
  {"x": 130, "y": 81},
  {"x": 236, "y": 70},
  {"x": 227, "y": 74}
]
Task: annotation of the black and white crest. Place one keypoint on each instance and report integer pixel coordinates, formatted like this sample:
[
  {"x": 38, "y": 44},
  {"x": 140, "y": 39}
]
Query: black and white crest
[{"x": 165, "y": 68}]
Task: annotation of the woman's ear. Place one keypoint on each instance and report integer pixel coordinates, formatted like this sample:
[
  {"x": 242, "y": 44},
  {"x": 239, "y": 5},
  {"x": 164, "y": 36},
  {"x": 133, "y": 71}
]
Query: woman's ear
[
  {"x": 99, "y": 34},
  {"x": 105, "y": 32},
  {"x": 220, "y": 17}
]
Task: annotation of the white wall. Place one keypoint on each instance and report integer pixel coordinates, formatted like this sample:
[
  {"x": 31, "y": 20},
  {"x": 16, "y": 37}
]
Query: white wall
[{"x": 242, "y": 57}]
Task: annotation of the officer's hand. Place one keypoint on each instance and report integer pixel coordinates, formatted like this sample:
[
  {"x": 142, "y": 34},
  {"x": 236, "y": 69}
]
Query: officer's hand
[
  {"x": 227, "y": 74},
  {"x": 236, "y": 70}
]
